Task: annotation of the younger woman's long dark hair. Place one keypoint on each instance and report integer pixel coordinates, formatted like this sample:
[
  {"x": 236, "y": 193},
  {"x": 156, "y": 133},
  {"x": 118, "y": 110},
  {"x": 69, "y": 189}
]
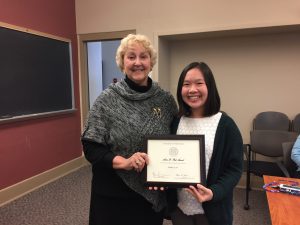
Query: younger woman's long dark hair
[{"x": 213, "y": 102}]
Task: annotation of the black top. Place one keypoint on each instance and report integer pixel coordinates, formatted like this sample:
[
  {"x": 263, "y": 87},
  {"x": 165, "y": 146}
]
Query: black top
[{"x": 138, "y": 88}]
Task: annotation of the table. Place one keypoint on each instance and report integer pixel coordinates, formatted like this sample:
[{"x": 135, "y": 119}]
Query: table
[{"x": 284, "y": 208}]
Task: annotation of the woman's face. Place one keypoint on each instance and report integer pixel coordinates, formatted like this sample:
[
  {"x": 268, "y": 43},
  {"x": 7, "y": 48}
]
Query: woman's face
[
  {"x": 194, "y": 92},
  {"x": 137, "y": 64}
]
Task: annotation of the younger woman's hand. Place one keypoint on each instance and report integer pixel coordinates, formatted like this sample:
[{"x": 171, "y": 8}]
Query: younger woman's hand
[
  {"x": 201, "y": 193},
  {"x": 156, "y": 188}
]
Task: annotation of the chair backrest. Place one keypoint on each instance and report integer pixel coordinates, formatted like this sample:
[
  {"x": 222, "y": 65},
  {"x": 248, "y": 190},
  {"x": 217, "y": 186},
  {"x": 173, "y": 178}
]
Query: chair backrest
[
  {"x": 296, "y": 123},
  {"x": 289, "y": 164},
  {"x": 269, "y": 142},
  {"x": 271, "y": 120}
]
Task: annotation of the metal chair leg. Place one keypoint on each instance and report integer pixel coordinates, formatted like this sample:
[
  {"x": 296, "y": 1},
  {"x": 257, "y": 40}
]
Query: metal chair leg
[{"x": 246, "y": 206}]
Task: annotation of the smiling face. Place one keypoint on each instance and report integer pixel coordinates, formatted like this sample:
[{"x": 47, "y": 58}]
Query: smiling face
[
  {"x": 137, "y": 64},
  {"x": 194, "y": 92}
]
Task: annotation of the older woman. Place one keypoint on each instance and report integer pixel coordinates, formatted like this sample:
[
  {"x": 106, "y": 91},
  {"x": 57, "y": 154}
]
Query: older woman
[{"x": 114, "y": 134}]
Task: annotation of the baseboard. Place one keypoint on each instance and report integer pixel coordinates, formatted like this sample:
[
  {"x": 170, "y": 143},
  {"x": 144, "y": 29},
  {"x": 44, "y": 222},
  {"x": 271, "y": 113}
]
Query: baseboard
[
  {"x": 24, "y": 187},
  {"x": 256, "y": 182}
]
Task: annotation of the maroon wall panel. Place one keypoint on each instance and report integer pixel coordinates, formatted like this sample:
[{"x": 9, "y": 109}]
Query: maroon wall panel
[{"x": 33, "y": 146}]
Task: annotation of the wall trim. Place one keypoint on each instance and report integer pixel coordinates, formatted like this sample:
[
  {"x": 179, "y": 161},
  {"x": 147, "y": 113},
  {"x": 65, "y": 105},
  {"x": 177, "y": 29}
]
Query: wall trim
[
  {"x": 24, "y": 187},
  {"x": 256, "y": 182}
]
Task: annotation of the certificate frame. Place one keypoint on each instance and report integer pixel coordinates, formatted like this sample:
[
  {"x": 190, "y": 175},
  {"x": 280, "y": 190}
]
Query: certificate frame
[{"x": 175, "y": 161}]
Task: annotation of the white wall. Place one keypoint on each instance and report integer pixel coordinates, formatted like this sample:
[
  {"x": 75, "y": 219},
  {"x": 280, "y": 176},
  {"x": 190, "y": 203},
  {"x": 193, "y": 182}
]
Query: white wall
[
  {"x": 110, "y": 68},
  {"x": 254, "y": 73},
  {"x": 94, "y": 50},
  {"x": 153, "y": 16}
]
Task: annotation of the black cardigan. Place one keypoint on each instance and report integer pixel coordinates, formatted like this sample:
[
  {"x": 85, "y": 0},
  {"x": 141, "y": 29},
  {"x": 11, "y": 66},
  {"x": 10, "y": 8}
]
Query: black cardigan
[{"x": 224, "y": 172}]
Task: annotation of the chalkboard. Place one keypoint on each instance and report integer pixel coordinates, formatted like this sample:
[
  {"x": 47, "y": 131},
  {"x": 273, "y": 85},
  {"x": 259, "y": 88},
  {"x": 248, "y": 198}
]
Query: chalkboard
[{"x": 35, "y": 74}]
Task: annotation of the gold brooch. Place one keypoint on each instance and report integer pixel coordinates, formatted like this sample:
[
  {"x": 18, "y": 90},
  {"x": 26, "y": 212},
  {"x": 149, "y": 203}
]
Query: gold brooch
[{"x": 157, "y": 112}]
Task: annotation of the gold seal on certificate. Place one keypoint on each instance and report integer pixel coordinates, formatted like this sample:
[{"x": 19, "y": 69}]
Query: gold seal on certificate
[{"x": 175, "y": 160}]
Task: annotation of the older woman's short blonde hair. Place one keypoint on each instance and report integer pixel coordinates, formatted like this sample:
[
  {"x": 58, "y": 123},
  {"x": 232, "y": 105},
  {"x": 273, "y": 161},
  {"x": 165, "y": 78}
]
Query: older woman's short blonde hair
[{"x": 131, "y": 39}]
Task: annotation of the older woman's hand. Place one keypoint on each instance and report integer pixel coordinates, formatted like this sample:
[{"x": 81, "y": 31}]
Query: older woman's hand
[{"x": 137, "y": 162}]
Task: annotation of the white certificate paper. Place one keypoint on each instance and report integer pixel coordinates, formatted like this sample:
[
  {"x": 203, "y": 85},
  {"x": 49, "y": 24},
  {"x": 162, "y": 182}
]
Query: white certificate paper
[{"x": 175, "y": 160}]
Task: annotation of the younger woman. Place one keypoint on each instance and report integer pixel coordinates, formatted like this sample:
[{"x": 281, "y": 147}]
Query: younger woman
[{"x": 199, "y": 111}]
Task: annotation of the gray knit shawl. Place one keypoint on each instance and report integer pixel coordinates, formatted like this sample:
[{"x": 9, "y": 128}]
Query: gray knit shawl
[{"x": 121, "y": 118}]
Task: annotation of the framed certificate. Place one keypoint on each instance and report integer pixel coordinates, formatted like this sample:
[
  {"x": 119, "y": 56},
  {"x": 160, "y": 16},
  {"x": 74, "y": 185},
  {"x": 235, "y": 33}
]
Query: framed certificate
[{"x": 175, "y": 160}]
